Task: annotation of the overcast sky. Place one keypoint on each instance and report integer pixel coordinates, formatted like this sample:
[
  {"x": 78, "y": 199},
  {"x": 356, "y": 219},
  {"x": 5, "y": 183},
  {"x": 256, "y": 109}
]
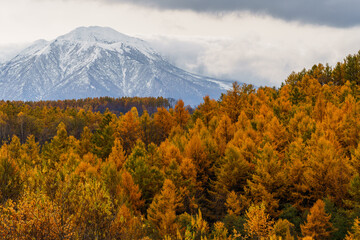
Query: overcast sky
[{"x": 257, "y": 41}]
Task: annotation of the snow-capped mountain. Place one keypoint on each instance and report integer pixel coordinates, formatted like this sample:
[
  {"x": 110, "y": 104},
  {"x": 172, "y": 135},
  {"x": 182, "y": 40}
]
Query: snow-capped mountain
[{"x": 98, "y": 61}]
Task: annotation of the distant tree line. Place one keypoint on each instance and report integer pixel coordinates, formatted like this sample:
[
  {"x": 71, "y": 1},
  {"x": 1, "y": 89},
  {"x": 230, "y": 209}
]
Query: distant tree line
[
  {"x": 114, "y": 105},
  {"x": 42, "y": 117}
]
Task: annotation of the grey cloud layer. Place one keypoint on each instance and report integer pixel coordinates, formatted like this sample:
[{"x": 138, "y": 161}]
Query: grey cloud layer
[{"x": 340, "y": 13}]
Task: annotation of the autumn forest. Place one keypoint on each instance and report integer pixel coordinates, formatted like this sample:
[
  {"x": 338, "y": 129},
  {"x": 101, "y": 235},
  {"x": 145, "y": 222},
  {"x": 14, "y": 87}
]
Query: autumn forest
[{"x": 258, "y": 163}]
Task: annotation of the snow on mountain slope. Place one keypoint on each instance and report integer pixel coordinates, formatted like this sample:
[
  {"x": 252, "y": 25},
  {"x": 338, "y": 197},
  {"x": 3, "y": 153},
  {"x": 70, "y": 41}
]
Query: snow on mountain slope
[{"x": 97, "y": 61}]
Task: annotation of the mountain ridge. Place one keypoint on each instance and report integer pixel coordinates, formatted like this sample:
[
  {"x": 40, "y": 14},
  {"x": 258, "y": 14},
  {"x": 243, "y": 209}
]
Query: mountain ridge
[{"x": 99, "y": 61}]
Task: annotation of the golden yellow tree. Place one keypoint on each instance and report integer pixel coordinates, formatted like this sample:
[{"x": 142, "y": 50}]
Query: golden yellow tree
[
  {"x": 328, "y": 172},
  {"x": 162, "y": 211},
  {"x": 126, "y": 225},
  {"x": 117, "y": 155},
  {"x": 188, "y": 190},
  {"x": 30, "y": 152},
  {"x": 164, "y": 122},
  {"x": 181, "y": 115},
  {"x": 318, "y": 225},
  {"x": 196, "y": 152},
  {"x": 85, "y": 145},
  {"x": 236, "y": 204},
  {"x": 224, "y": 133},
  {"x": 129, "y": 192},
  {"x": 129, "y": 130},
  {"x": 258, "y": 224},
  {"x": 208, "y": 109},
  {"x": 269, "y": 183},
  {"x": 168, "y": 152}
]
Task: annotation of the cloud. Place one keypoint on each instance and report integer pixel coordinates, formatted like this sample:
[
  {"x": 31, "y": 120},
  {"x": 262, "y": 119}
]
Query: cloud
[
  {"x": 259, "y": 54},
  {"x": 339, "y": 13}
]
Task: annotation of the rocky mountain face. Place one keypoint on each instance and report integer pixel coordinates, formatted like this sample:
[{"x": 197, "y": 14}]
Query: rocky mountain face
[{"x": 97, "y": 61}]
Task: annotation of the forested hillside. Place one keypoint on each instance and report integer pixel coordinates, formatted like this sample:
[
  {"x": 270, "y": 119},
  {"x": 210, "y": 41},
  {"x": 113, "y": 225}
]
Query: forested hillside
[
  {"x": 42, "y": 118},
  {"x": 261, "y": 163}
]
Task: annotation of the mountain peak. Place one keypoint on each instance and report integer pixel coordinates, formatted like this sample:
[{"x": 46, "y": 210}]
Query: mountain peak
[
  {"x": 105, "y": 37},
  {"x": 97, "y": 34}
]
